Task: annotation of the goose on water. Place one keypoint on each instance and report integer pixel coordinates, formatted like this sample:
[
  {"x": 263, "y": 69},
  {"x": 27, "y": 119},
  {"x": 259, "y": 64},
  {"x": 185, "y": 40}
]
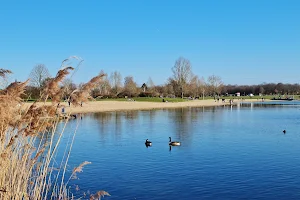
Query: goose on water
[
  {"x": 173, "y": 143},
  {"x": 148, "y": 143}
]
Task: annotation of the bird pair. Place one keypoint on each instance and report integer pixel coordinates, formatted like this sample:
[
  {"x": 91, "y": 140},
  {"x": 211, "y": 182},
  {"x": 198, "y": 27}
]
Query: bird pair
[{"x": 172, "y": 143}]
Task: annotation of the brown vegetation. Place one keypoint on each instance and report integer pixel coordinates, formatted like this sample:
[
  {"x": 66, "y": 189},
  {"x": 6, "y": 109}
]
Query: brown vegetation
[
  {"x": 83, "y": 94},
  {"x": 27, "y": 143}
]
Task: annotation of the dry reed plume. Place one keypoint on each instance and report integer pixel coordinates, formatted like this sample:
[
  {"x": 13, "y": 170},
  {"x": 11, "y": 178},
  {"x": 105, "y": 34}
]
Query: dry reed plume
[
  {"x": 83, "y": 94},
  {"x": 27, "y": 143},
  {"x": 3, "y": 72},
  {"x": 53, "y": 90}
]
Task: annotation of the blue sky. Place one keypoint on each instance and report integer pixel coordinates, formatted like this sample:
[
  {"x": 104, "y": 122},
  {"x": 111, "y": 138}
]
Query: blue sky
[{"x": 244, "y": 42}]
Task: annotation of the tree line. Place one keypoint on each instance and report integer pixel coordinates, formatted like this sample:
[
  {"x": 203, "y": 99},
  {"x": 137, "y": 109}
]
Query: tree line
[{"x": 182, "y": 83}]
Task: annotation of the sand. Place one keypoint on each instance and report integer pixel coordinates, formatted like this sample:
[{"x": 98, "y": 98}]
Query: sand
[{"x": 106, "y": 106}]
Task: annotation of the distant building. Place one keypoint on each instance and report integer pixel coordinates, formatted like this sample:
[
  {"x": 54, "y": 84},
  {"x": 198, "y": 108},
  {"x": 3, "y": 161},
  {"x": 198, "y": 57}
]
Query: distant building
[{"x": 238, "y": 94}]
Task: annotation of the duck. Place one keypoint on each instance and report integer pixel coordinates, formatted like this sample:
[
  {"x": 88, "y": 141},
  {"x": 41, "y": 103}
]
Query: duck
[
  {"x": 173, "y": 143},
  {"x": 284, "y": 131},
  {"x": 148, "y": 143}
]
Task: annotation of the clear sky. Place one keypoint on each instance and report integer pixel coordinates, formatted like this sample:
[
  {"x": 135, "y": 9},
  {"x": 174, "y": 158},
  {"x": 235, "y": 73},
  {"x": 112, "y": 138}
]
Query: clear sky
[{"x": 243, "y": 41}]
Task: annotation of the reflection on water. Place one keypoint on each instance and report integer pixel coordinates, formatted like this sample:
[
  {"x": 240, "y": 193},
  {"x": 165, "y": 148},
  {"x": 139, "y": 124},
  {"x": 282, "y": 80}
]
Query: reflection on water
[
  {"x": 227, "y": 152},
  {"x": 182, "y": 122},
  {"x": 270, "y": 104},
  {"x": 170, "y": 147}
]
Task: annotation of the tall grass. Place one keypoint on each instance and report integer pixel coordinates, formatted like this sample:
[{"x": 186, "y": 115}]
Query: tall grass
[{"x": 28, "y": 165}]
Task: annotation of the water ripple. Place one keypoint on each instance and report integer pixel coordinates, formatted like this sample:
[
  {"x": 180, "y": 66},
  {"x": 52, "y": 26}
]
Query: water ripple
[{"x": 238, "y": 153}]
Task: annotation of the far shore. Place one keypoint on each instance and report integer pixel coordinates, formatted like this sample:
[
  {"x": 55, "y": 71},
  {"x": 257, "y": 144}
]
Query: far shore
[{"x": 106, "y": 106}]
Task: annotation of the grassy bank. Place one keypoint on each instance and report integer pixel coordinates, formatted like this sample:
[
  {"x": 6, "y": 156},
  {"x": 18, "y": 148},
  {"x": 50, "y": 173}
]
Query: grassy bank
[
  {"x": 145, "y": 99},
  {"x": 174, "y": 100},
  {"x": 157, "y": 99}
]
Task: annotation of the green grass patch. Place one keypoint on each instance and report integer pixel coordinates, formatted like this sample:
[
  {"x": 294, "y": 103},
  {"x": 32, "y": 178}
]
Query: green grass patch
[
  {"x": 157, "y": 99},
  {"x": 248, "y": 97}
]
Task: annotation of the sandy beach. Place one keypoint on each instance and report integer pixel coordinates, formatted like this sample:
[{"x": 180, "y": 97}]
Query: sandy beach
[{"x": 105, "y": 106}]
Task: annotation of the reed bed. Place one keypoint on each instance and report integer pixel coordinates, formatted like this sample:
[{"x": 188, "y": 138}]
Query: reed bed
[{"x": 29, "y": 141}]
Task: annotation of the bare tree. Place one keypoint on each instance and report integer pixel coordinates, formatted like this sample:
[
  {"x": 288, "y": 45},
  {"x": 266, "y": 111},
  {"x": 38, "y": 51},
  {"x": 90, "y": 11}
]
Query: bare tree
[
  {"x": 38, "y": 75},
  {"x": 4, "y": 74},
  {"x": 202, "y": 87},
  {"x": 116, "y": 82},
  {"x": 68, "y": 86},
  {"x": 182, "y": 71},
  {"x": 151, "y": 87},
  {"x": 193, "y": 86},
  {"x": 130, "y": 86},
  {"x": 150, "y": 83},
  {"x": 215, "y": 84},
  {"x": 104, "y": 86},
  {"x": 261, "y": 90},
  {"x": 173, "y": 88},
  {"x": 170, "y": 90},
  {"x": 197, "y": 87},
  {"x": 101, "y": 89}
]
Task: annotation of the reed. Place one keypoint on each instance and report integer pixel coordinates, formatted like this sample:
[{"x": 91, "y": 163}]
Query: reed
[
  {"x": 29, "y": 141},
  {"x": 83, "y": 94}
]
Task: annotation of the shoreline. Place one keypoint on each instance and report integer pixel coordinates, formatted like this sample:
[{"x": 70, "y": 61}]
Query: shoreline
[{"x": 110, "y": 106}]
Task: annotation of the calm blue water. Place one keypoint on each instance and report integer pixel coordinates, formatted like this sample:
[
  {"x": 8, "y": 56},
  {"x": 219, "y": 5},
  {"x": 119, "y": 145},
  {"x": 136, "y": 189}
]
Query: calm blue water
[{"x": 227, "y": 152}]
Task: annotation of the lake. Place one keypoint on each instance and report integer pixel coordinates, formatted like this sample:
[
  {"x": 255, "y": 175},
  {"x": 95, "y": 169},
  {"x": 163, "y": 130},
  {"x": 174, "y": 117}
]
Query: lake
[{"x": 237, "y": 152}]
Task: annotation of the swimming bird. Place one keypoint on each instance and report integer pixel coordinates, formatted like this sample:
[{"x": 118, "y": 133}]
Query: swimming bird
[
  {"x": 173, "y": 143},
  {"x": 284, "y": 131},
  {"x": 148, "y": 143}
]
